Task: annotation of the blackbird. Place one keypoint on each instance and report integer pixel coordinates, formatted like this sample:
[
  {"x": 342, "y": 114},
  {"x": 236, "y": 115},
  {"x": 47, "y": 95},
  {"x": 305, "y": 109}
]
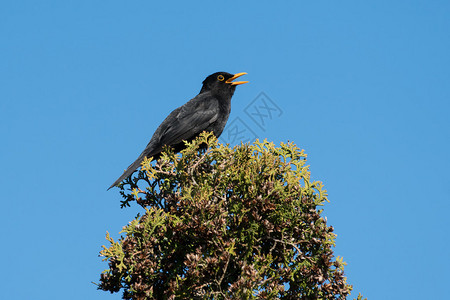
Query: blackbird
[{"x": 208, "y": 111}]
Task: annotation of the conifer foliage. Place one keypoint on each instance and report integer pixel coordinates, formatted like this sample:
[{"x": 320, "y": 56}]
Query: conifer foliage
[{"x": 225, "y": 223}]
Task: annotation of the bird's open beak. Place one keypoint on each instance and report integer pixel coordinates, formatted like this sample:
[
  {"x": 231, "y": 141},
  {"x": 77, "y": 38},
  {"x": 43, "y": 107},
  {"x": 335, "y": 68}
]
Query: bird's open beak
[{"x": 234, "y": 77}]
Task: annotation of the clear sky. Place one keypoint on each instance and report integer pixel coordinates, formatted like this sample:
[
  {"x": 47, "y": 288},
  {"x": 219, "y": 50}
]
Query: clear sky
[{"x": 362, "y": 86}]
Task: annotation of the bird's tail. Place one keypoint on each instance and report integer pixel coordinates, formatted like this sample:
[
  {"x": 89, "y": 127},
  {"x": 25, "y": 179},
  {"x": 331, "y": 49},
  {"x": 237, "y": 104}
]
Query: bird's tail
[{"x": 129, "y": 170}]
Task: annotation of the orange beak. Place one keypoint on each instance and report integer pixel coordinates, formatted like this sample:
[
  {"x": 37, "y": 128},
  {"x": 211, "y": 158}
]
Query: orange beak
[{"x": 234, "y": 77}]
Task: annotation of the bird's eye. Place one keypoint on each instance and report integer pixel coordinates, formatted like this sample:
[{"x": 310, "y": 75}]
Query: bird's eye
[{"x": 220, "y": 77}]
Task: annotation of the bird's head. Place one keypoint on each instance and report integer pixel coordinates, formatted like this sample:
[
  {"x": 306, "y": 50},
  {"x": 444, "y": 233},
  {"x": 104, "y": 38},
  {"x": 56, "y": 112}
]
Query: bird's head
[{"x": 221, "y": 83}]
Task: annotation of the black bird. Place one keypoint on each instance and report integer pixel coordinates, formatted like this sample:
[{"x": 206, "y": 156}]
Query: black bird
[{"x": 208, "y": 111}]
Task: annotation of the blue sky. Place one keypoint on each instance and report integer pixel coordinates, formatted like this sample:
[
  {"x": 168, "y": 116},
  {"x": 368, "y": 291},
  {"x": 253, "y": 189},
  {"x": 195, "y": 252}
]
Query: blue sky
[{"x": 362, "y": 86}]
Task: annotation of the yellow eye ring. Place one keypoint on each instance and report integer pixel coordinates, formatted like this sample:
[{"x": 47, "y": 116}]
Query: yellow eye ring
[{"x": 220, "y": 78}]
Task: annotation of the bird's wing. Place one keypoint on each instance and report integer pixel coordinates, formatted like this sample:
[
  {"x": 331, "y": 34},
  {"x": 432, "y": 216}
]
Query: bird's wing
[{"x": 191, "y": 119}]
